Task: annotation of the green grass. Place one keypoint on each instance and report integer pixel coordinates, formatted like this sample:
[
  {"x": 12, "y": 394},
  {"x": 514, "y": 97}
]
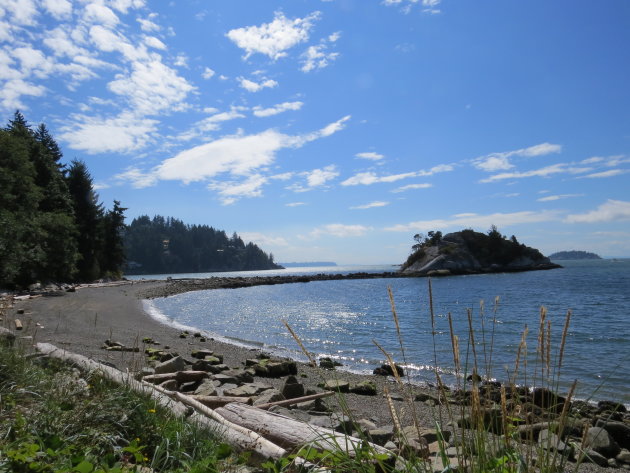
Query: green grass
[{"x": 55, "y": 419}]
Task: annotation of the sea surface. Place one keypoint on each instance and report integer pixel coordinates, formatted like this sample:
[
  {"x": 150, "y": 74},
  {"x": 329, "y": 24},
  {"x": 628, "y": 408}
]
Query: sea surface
[{"x": 347, "y": 319}]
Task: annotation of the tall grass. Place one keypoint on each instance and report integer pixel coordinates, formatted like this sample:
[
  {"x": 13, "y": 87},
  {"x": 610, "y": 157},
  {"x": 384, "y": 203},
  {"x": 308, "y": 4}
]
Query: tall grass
[{"x": 484, "y": 425}]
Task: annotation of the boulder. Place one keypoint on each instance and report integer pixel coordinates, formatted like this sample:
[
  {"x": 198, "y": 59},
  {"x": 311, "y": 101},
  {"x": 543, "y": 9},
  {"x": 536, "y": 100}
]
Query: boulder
[
  {"x": 292, "y": 388},
  {"x": 364, "y": 388},
  {"x": 552, "y": 442},
  {"x": 338, "y": 385},
  {"x": 201, "y": 354},
  {"x": 337, "y": 422},
  {"x": 328, "y": 363},
  {"x": 207, "y": 388},
  {"x": 619, "y": 431},
  {"x": 246, "y": 390},
  {"x": 7, "y": 338},
  {"x": 386, "y": 370},
  {"x": 269, "y": 395},
  {"x": 171, "y": 366},
  {"x": 599, "y": 440}
]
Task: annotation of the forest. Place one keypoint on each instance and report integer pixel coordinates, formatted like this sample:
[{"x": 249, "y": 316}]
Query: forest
[
  {"x": 167, "y": 245},
  {"x": 52, "y": 226},
  {"x": 54, "y": 229}
]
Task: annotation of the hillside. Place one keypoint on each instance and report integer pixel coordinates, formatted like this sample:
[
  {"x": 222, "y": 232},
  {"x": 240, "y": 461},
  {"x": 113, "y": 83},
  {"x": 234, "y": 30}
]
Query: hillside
[
  {"x": 574, "y": 254},
  {"x": 469, "y": 252},
  {"x": 167, "y": 245}
]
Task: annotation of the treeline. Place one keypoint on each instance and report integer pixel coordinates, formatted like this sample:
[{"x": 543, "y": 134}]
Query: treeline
[
  {"x": 52, "y": 227},
  {"x": 167, "y": 245}
]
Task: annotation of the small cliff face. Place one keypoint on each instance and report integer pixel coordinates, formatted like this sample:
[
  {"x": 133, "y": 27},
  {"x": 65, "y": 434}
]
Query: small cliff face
[{"x": 469, "y": 252}]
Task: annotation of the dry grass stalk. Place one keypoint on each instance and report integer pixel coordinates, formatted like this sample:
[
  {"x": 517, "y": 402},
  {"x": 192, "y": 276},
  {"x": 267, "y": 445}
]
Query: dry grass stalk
[
  {"x": 504, "y": 415},
  {"x": 300, "y": 344},
  {"x": 471, "y": 332},
  {"x": 548, "y": 347},
  {"x": 392, "y": 411},
  {"x": 565, "y": 331}
]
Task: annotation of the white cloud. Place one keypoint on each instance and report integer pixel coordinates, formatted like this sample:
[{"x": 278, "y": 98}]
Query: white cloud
[
  {"x": 275, "y": 38},
  {"x": 295, "y": 204},
  {"x": 316, "y": 57},
  {"x": 263, "y": 240},
  {"x": 97, "y": 13},
  {"x": 208, "y": 73},
  {"x": 428, "y": 6},
  {"x": 371, "y": 205},
  {"x": 319, "y": 177},
  {"x": 252, "y": 86},
  {"x": 473, "y": 220},
  {"x": 500, "y": 161},
  {"x": 58, "y": 8},
  {"x": 123, "y": 134},
  {"x": 148, "y": 25},
  {"x": 340, "y": 230},
  {"x": 276, "y": 109},
  {"x": 138, "y": 179},
  {"x": 409, "y": 187},
  {"x": 21, "y": 12},
  {"x": 609, "y": 211},
  {"x": 551, "y": 198},
  {"x": 231, "y": 191},
  {"x": 153, "y": 42},
  {"x": 370, "y": 155},
  {"x": 560, "y": 168},
  {"x": 369, "y": 178},
  {"x": 604, "y": 174}
]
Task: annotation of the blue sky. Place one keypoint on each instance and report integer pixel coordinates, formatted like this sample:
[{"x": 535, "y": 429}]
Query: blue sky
[{"x": 336, "y": 130}]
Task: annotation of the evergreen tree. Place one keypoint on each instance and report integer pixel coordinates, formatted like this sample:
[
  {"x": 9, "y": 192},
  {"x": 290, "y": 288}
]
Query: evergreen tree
[
  {"x": 89, "y": 218},
  {"x": 113, "y": 254}
]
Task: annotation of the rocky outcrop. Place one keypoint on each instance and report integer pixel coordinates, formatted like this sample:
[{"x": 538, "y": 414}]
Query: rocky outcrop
[{"x": 469, "y": 252}]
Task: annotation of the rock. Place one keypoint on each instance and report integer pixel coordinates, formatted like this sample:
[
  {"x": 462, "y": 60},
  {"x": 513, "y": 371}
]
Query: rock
[
  {"x": 429, "y": 435},
  {"x": 171, "y": 366},
  {"x": 386, "y": 370},
  {"x": 619, "y": 431},
  {"x": 201, "y": 354},
  {"x": 365, "y": 425},
  {"x": 552, "y": 442},
  {"x": 225, "y": 379},
  {"x": 316, "y": 405},
  {"x": 188, "y": 387},
  {"x": 241, "y": 375},
  {"x": 599, "y": 440},
  {"x": 364, "y": 388},
  {"x": 275, "y": 369},
  {"x": 611, "y": 406},
  {"x": 242, "y": 391},
  {"x": 170, "y": 385},
  {"x": 328, "y": 363},
  {"x": 337, "y": 422},
  {"x": 623, "y": 457},
  {"x": 269, "y": 395},
  {"x": 203, "y": 365},
  {"x": 547, "y": 399},
  {"x": 292, "y": 388},
  {"x": 7, "y": 338},
  {"x": 380, "y": 436},
  {"x": 591, "y": 456},
  {"x": 207, "y": 388},
  {"x": 338, "y": 385}
]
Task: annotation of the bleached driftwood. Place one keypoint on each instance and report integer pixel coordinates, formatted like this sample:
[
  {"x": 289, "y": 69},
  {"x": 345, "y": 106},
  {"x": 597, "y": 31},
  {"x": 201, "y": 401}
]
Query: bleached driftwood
[
  {"x": 296, "y": 400},
  {"x": 179, "y": 376},
  {"x": 238, "y": 437},
  {"x": 290, "y": 433},
  {"x": 218, "y": 401}
]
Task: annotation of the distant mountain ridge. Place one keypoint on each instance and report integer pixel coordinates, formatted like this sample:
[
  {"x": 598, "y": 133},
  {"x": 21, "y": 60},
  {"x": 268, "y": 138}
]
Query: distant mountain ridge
[
  {"x": 574, "y": 254},
  {"x": 310, "y": 264},
  {"x": 470, "y": 252}
]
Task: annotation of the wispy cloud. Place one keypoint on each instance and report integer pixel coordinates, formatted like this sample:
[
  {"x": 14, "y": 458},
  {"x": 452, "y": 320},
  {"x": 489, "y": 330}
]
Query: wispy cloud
[
  {"x": 295, "y": 204},
  {"x": 371, "y": 205},
  {"x": 252, "y": 86},
  {"x": 409, "y": 187},
  {"x": 474, "y": 220},
  {"x": 551, "y": 198},
  {"x": 340, "y": 230},
  {"x": 276, "y": 109},
  {"x": 501, "y": 161},
  {"x": 609, "y": 211},
  {"x": 319, "y": 56},
  {"x": 605, "y": 174},
  {"x": 370, "y": 155},
  {"x": 369, "y": 178},
  {"x": 315, "y": 178},
  {"x": 263, "y": 240},
  {"x": 275, "y": 38}
]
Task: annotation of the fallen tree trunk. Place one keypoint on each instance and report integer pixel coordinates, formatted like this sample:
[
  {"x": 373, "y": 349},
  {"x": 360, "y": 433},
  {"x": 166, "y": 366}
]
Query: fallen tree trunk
[
  {"x": 290, "y": 433},
  {"x": 295, "y": 400},
  {"x": 219, "y": 401}
]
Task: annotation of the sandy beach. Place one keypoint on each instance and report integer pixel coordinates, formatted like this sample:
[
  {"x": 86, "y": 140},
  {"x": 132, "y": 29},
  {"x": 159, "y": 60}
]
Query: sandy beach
[{"x": 81, "y": 321}]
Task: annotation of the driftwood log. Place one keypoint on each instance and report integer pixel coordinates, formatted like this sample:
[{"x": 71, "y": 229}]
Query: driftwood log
[
  {"x": 179, "y": 376},
  {"x": 219, "y": 401},
  {"x": 290, "y": 433}
]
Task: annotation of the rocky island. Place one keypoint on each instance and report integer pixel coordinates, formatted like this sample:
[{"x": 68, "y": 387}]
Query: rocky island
[
  {"x": 470, "y": 252},
  {"x": 574, "y": 254}
]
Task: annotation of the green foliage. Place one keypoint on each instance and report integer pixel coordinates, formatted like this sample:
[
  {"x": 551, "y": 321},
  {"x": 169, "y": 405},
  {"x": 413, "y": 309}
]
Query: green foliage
[
  {"x": 167, "y": 245},
  {"x": 52, "y": 421},
  {"x": 51, "y": 226}
]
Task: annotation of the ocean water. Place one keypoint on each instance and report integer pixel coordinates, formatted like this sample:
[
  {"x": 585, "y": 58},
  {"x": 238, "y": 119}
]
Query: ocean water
[{"x": 345, "y": 319}]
